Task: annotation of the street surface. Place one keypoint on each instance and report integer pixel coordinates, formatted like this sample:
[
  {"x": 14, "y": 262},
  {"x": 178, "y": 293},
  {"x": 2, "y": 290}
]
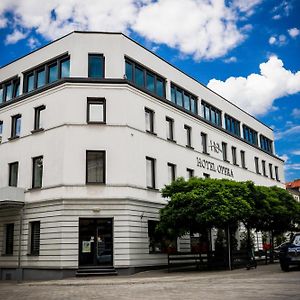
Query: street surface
[{"x": 266, "y": 282}]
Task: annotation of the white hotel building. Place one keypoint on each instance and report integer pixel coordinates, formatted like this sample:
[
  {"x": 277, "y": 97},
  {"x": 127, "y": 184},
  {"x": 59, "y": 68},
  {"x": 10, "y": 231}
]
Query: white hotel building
[{"x": 92, "y": 126}]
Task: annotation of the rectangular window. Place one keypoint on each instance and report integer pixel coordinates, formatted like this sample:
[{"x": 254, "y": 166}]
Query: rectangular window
[
  {"x": 211, "y": 113},
  {"x": 149, "y": 120},
  {"x": 224, "y": 151},
  {"x": 35, "y": 237},
  {"x": 95, "y": 166},
  {"x": 155, "y": 242},
  {"x": 170, "y": 128},
  {"x": 96, "y": 66},
  {"x": 53, "y": 73},
  {"x": 38, "y": 120},
  {"x": 1, "y": 95},
  {"x": 37, "y": 172},
  {"x": 96, "y": 110},
  {"x": 276, "y": 174},
  {"x": 29, "y": 82},
  {"x": 234, "y": 157},
  {"x": 9, "y": 89},
  {"x": 144, "y": 78},
  {"x": 206, "y": 175},
  {"x": 188, "y": 130},
  {"x": 232, "y": 125},
  {"x": 250, "y": 135},
  {"x": 65, "y": 68},
  {"x": 13, "y": 174},
  {"x": 15, "y": 126},
  {"x": 189, "y": 173},
  {"x": 171, "y": 172},
  {"x": 271, "y": 171},
  {"x": 204, "y": 142},
  {"x": 263, "y": 164},
  {"x": 243, "y": 159},
  {"x": 266, "y": 144},
  {"x": 1, "y": 130},
  {"x": 9, "y": 239},
  {"x": 150, "y": 172},
  {"x": 183, "y": 98},
  {"x": 256, "y": 165},
  {"x": 41, "y": 78}
]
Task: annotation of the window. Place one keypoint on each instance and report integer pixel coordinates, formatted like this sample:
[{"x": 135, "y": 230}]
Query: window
[
  {"x": 184, "y": 98},
  {"x": 150, "y": 172},
  {"x": 149, "y": 120},
  {"x": 206, "y": 175},
  {"x": 266, "y": 144},
  {"x": 15, "y": 126},
  {"x": 211, "y": 113},
  {"x": 263, "y": 163},
  {"x": 188, "y": 130},
  {"x": 170, "y": 129},
  {"x": 96, "y": 66},
  {"x": 234, "y": 158},
  {"x": 144, "y": 78},
  {"x": 13, "y": 174},
  {"x": 95, "y": 166},
  {"x": 189, "y": 173},
  {"x": 37, "y": 172},
  {"x": 34, "y": 237},
  {"x": 224, "y": 151},
  {"x": 243, "y": 159},
  {"x": 250, "y": 135},
  {"x": 9, "y": 89},
  {"x": 9, "y": 239},
  {"x": 155, "y": 241},
  {"x": 256, "y": 165},
  {"x": 47, "y": 73},
  {"x": 271, "y": 171},
  {"x": 38, "y": 120},
  {"x": 232, "y": 125},
  {"x": 171, "y": 172},
  {"x": 276, "y": 174},
  {"x": 204, "y": 142},
  {"x": 1, "y": 130},
  {"x": 96, "y": 110}
]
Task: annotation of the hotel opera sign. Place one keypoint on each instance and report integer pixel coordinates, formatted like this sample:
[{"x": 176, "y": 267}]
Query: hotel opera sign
[{"x": 211, "y": 166}]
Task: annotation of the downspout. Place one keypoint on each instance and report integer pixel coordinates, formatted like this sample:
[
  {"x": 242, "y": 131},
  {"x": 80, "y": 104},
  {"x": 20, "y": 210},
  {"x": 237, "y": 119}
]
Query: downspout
[{"x": 19, "y": 269}]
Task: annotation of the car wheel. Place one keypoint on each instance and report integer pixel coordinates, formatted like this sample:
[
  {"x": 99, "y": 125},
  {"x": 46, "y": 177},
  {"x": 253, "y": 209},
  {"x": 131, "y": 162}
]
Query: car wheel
[{"x": 284, "y": 266}]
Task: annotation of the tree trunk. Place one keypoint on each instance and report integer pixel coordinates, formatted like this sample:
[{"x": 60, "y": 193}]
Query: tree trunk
[{"x": 272, "y": 247}]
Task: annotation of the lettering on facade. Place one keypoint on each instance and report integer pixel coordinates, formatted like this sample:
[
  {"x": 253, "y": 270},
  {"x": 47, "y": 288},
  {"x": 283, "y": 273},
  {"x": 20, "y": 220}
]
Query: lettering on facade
[
  {"x": 214, "y": 146},
  {"x": 211, "y": 166}
]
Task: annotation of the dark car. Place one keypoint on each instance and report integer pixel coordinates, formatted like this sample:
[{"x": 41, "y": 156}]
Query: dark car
[{"x": 289, "y": 253}]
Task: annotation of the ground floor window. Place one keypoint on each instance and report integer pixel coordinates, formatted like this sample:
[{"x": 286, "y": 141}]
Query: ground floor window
[
  {"x": 34, "y": 237},
  {"x": 9, "y": 239}
]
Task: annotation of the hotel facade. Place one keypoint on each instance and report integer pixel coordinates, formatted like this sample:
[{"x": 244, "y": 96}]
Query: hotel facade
[{"x": 92, "y": 126}]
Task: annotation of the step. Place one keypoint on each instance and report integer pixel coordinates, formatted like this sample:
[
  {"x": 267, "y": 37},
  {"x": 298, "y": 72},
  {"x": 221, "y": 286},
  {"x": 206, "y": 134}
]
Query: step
[
  {"x": 96, "y": 274},
  {"x": 95, "y": 271}
]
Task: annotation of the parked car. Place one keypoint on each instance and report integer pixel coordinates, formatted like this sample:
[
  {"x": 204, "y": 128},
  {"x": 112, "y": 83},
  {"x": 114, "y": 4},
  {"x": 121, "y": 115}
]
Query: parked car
[{"x": 289, "y": 253}]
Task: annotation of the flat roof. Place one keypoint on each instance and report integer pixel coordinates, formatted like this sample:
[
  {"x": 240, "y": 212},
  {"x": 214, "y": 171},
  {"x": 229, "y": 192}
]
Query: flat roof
[{"x": 120, "y": 33}]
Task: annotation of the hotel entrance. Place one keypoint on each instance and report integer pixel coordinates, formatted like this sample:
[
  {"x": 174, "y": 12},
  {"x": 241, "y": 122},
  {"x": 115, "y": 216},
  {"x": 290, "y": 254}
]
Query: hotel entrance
[{"x": 95, "y": 242}]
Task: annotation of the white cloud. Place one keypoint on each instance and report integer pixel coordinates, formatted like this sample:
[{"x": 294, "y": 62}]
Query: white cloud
[
  {"x": 33, "y": 43},
  {"x": 272, "y": 40},
  {"x": 296, "y": 113},
  {"x": 284, "y": 157},
  {"x": 276, "y": 17},
  {"x": 292, "y": 166},
  {"x": 257, "y": 92},
  {"x": 231, "y": 59},
  {"x": 204, "y": 29},
  {"x": 282, "y": 10},
  {"x": 294, "y": 32},
  {"x": 15, "y": 37},
  {"x": 296, "y": 152},
  {"x": 286, "y": 133}
]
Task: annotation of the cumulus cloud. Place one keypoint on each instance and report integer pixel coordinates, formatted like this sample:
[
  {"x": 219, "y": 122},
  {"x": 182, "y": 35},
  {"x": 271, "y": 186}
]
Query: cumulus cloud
[
  {"x": 282, "y": 10},
  {"x": 287, "y": 133},
  {"x": 296, "y": 152},
  {"x": 272, "y": 40},
  {"x": 257, "y": 92},
  {"x": 204, "y": 29},
  {"x": 294, "y": 32},
  {"x": 278, "y": 40},
  {"x": 231, "y": 59},
  {"x": 15, "y": 37},
  {"x": 33, "y": 43}
]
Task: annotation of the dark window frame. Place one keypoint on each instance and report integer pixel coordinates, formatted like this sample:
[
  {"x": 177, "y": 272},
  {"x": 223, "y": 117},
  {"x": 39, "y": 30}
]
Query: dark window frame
[
  {"x": 10, "y": 174},
  {"x": 190, "y": 173},
  {"x": 206, "y": 175},
  {"x": 100, "y": 55},
  {"x": 15, "y": 83},
  {"x": 243, "y": 159},
  {"x": 34, "y": 160},
  {"x": 224, "y": 152},
  {"x": 14, "y": 120},
  {"x": 170, "y": 128},
  {"x": 256, "y": 163},
  {"x": 151, "y": 118},
  {"x": 264, "y": 171},
  {"x": 247, "y": 132},
  {"x": 205, "y": 105},
  {"x": 234, "y": 156},
  {"x": 235, "y": 125},
  {"x": 35, "y": 237},
  {"x": 153, "y": 175},
  {"x": 204, "y": 143},
  {"x": 37, "y": 118},
  {"x": 99, "y": 101},
  {"x": 173, "y": 170},
  {"x": 9, "y": 239},
  {"x": 271, "y": 171},
  {"x": 276, "y": 174},
  {"x": 188, "y": 130},
  {"x": 265, "y": 144},
  {"x": 104, "y": 167}
]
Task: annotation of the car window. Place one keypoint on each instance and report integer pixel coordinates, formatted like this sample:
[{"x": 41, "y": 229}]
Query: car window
[{"x": 297, "y": 240}]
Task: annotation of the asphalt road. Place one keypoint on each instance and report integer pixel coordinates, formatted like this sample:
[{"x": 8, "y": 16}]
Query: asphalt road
[{"x": 266, "y": 282}]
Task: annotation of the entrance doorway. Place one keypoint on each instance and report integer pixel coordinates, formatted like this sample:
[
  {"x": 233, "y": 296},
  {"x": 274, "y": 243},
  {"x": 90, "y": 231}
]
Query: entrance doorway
[{"x": 95, "y": 242}]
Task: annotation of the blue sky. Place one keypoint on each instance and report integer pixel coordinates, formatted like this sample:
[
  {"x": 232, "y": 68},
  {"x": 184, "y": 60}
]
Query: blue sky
[{"x": 246, "y": 50}]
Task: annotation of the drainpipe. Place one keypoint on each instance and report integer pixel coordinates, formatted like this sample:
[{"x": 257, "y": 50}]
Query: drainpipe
[{"x": 19, "y": 270}]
